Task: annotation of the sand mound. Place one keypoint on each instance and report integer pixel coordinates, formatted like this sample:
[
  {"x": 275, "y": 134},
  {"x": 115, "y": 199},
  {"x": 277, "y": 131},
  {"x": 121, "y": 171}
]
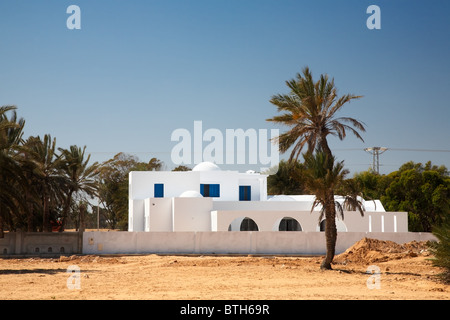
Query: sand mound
[{"x": 367, "y": 251}]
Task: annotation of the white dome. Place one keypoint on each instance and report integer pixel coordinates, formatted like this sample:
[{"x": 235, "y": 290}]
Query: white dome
[
  {"x": 191, "y": 194},
  {"x": 281, "y": 198},
  {"x": 206, "y": 166}
]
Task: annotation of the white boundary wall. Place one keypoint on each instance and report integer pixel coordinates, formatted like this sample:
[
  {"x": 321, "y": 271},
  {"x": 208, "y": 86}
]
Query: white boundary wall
[{"x": 225, "y": 242}]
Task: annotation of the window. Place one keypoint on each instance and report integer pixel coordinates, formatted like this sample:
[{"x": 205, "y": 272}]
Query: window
[
  {"x": 249, "y": 224},
  {"x": 243, "y": 224},
  {"x": 289, "y": 224},
  {"x": 245, "y": 193},
  {"x": 210, "y": 190},
  {"x": 159, "y": 190}
]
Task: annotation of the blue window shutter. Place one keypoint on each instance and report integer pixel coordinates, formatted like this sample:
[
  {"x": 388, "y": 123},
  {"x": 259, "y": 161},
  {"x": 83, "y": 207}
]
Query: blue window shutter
[
  {"x": 202, "y": 189},
  {"x": 210, "y": 190},
  {"x": 159, "y": 190},
  {"x": 214, "y": 190},
  {"x": 245, "y": 193},
  {"x": 241, "y": 193}
]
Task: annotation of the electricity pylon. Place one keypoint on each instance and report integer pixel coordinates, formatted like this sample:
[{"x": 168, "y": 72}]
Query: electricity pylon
[{"x": 376, "y": 151}]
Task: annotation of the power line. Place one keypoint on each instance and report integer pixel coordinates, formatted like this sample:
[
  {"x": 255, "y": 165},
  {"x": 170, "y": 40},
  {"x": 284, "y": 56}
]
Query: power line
[
  {"x": 397, "y": 149},
  {"x": 376, "y": 151},
  {"x": 418, "y": 150},
  {"x": 130, "y": 152}
]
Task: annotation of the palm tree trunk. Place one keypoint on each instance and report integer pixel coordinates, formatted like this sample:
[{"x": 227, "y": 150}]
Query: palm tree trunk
[
  {"x": 46, "y": 214},
  {"x": 66, "y": 209},
  {"x": 29, "y": 211},
  {"x": 325, "y": 148},
  {"x": 330, "y": 232},
  {"x": 330, "y": 215},
  {"x": 82, "y": 216},
  {"x": 2, "y": 231}
]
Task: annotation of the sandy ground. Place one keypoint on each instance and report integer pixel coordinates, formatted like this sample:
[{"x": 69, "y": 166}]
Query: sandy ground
[{"x": 405, "y": 273}]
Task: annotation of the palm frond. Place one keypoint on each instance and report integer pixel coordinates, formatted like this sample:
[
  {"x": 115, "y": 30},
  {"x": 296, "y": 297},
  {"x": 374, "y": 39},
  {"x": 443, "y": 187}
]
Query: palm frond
[{"x": 309, "y": 110}]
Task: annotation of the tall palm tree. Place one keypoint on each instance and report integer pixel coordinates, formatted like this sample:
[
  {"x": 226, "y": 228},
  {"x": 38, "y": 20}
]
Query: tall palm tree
[
  {"x": 82, "y": 176},
  {"x": 47, "y": 175},
  {"x": 310, "y": 111}
]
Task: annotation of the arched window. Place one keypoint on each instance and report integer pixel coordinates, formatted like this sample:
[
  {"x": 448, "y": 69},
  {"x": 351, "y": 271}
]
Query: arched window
[
  {"x": 289, "y": 224},
  {"x": 243, "y": 224},
  {"x": 248, "y": 225}
]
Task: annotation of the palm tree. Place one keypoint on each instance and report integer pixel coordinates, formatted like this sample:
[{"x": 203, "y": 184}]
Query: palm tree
[
  {"x": 11, "y": 178},
  {"x": 351, "y": 191},
  {"x": 47, "y": 176},
  {"x": 310, "y": 110},
  {"x": 322, "y": 175},
  {"x": 82, "y": 176}
]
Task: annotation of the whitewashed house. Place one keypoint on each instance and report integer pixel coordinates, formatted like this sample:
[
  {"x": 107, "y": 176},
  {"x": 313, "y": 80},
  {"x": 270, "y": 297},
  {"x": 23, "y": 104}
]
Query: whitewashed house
[{"x": 209, "y": 199}]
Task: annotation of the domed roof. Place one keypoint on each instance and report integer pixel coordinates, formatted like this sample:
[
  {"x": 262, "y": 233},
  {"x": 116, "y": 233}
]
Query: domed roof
[
  {"x": 191, "y": 194},
  {"x": 281, "y": 198},
  {"x": 206, "y": 166}
]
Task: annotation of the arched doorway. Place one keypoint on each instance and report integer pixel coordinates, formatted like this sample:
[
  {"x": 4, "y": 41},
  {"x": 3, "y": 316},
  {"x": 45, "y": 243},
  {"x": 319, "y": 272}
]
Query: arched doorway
[
  {"x": 289, "y": 224},
  {"x": 243, "y": 224},
  {"x": 248, "y": 224}
]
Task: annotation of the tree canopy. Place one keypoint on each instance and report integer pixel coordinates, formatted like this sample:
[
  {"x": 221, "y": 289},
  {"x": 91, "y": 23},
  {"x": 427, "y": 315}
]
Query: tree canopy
[
  {"x": 44, "y": 187},
  {"x": 421, "y": 190},
  {"x": 113, "y": 186}
]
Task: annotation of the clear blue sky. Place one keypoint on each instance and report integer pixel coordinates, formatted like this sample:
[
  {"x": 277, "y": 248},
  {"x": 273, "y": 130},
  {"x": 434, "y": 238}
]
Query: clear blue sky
[{"x": 137, "y": 70}]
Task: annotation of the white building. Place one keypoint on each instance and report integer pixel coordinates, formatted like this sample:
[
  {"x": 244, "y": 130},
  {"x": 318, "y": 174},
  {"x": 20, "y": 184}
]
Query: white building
[{"x": 209, "y": 199}]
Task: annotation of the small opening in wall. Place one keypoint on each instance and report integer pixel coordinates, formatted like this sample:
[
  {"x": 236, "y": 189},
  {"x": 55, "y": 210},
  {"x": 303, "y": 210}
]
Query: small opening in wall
[
  {"x": 61, "y": 250},
  {"x": 36, "y": 250},
  {"x": 322, "y": 225},
  {"x": 248, "y": 224},
  {"x": 5, "y": 251},
  {"x": 243, "y": 224},
  {"x": 50, "y": 249},
  {"x": 289, "y": 224}
]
